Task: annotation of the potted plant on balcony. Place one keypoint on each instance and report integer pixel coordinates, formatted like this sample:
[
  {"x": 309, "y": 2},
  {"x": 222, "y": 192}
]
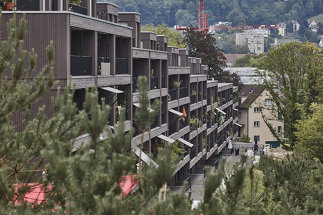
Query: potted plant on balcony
[
  {"x": 193, "y": 122},
  {"x": 176, "y": 84},
  {"x": 203, "y": 143},
  {"x": 76, "y": 2},
  {"x": 8, "y": 4}
]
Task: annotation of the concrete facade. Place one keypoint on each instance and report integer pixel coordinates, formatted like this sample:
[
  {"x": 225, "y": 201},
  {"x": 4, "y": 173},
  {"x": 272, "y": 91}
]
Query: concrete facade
[{"x": 255, "y": 41}]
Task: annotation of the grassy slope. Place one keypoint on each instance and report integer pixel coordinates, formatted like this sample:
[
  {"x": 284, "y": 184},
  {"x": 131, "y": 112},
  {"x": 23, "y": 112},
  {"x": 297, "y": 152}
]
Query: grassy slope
[{"x": 318, "y": 18}]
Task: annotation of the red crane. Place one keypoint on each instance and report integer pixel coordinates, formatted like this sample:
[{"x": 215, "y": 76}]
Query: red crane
[
  {"x": 202, "y": 17},
  {"x": 203, "y": 24}
]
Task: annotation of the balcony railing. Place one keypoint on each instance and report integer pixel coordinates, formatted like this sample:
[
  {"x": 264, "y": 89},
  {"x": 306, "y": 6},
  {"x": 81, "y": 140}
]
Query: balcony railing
[
  {"x": 209, "y": 100},
  {"x": 164, "y": 82},
  {"x": 183, "y": 123},
  {"x": 77, "y": 9},
  {"x": 81, "y": 65},
  {"x": 163, "y": 118},
  {"x": 192, "y": 153},
  {"x": 126, "y": 107},
  {"x": 173, "y": 94},
  {"x": 134, "y": 84},
  {"x": 193, "y": 99},
  {"x": 220, "y": 141},
  {"x": 172, "y": 128},
  {"x": 122, "y": 66},
  {"x": 24, "y": 5},
  {"x": 183, "y": 92},
  {"x": 200, "y": 96},
  {"x": 156, "y": 122},
  {"x": 154, "y": 82}
]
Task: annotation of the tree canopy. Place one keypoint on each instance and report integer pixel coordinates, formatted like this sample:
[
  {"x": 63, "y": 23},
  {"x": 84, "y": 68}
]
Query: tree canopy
[
  {"x": 250, "y": 12},
  {"x": 203, "y": 45},
  {"x": 174, "y": 37},
  {"x": 86, "y": 179},
  {"x": 293, "y": 76}
]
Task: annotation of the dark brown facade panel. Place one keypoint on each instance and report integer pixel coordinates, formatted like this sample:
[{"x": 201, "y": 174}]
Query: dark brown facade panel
[
  {"x": 45, "y": 100},
  {"x": 40, "y": 31}
]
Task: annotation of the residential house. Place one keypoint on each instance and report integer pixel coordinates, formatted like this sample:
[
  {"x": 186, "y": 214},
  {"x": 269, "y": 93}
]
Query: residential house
[{"x": 256, "y": 103}]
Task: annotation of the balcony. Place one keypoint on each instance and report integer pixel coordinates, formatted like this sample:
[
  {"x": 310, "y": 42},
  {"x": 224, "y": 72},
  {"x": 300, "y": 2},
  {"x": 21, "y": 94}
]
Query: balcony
[
  {"x": 183, "y": 92},
  {"x": 77, "y": 9},
  {"x": 81, "y": 65},
  {"x": 121, "y": 66},
  {"x": 154, "y": 82},
  {"x": 173, "y": 94}
]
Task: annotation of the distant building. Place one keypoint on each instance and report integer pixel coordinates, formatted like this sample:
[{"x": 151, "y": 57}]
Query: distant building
[
  {"x": 281, "y": 28},
  {"x": 255, "y": 102},
  {"x": 296, "y": 25},
  {"x": 321, "y": 43},
  {"x": 248, "y": 75},
  {"x": 283, "y": 41},
  {"x": 255, "y": 41},
  {"x": 313, "y": 26},
  {"x": 232, "y": 58}
]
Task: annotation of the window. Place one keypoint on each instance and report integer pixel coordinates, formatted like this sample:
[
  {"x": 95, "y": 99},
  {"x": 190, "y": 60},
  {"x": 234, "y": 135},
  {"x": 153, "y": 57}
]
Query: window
[
  {"x": 280, "y": 129},
  {"x": 280, "y": 116},
  {"x": 256, "y": 109},
  {"x": 268, "y": 102},
  {"x": 256, "y": 124},
  {"x": 256, "y": 138}
]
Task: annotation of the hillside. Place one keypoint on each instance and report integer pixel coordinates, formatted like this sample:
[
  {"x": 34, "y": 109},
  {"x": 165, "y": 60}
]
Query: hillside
[
  {"x": 251, "y": 12},
  {"x": 317, "y": 19}
]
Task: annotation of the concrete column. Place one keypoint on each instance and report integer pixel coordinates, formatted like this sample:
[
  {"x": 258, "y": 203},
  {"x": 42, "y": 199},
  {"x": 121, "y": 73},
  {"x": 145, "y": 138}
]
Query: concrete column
[
  {"x": 95, "y": 57},
  {"x": 112, "y": 52},
  {"x": 42, "y": 5},
  {"x": 129, "y": 55},
  {"x": 160, "y": 73},
  {"x": 49, "y": 5},
  {"x": 148, "y": 73}
]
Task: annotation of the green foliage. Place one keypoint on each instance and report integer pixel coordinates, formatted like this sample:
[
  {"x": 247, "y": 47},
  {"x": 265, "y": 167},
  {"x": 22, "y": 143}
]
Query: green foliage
[
  {"x": 243, "y": 139},
  {"x": 293, "y": 78},
  {"x": 76, "y": 2},
  {"x": 203, "y": 45},
  {"x": 177, "y": 151},
  {"x": 174, "y": 38},
  {"x": 251, "y": 12},
  {"x": 249, "y": 60},
  {"x": 226, "y": 41},
  {"x": 310, "y": 133}
]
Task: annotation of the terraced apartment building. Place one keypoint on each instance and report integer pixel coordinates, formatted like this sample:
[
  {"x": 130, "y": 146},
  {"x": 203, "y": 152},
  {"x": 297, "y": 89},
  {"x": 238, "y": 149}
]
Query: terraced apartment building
[{"x": 98, "y": 47}]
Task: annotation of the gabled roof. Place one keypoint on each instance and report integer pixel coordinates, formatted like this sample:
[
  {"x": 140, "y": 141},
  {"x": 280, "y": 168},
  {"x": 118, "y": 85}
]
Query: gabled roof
[{"x": 251, "y": 92}]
